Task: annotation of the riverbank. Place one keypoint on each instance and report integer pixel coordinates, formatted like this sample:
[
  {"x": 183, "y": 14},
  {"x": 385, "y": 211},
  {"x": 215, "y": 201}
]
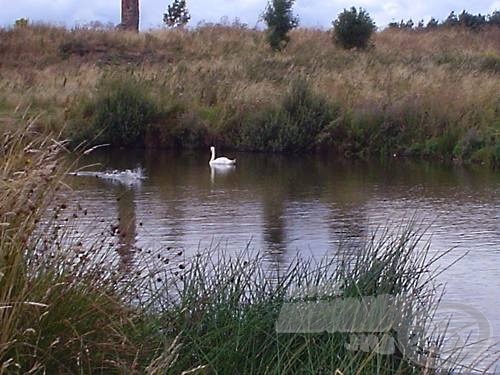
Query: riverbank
[
  {"x": 431, "y": 94},
  {"x": 68, "y": 306}
]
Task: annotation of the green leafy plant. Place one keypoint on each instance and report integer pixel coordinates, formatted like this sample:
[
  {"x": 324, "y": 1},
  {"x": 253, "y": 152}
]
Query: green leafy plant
[
  {"x": 280, "y": 20},
  {"x": 123, "y": 109},
  {"x": 294, "y": 126},
  {"x": 22, "y": 22},
  {"x": 353, "y": 28}
]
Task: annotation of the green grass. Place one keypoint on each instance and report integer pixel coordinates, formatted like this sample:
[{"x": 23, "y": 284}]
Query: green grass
[{"x": 228, "y": 309}]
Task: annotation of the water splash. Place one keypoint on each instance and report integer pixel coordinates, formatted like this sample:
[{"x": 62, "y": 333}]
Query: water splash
[{"x": 126, "y": 177}]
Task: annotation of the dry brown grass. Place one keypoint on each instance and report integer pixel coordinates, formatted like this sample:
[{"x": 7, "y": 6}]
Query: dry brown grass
[{"x": 428, "y": 79}]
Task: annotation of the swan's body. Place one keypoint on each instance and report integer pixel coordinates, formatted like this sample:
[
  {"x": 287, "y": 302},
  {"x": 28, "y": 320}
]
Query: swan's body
[{"x": 220, "y": 161}]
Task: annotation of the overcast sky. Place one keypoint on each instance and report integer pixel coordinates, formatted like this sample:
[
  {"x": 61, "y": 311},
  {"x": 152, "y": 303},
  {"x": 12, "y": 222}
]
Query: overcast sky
[{"x": 311, "y": 12}]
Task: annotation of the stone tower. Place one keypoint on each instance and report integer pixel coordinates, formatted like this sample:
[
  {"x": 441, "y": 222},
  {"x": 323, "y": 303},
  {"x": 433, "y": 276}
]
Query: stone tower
[{"x": 130, "y": 15}]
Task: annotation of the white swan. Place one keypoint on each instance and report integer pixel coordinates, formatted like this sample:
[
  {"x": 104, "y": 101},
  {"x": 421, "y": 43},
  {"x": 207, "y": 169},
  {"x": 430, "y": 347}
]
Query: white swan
[{"x": 222, "y": 160}]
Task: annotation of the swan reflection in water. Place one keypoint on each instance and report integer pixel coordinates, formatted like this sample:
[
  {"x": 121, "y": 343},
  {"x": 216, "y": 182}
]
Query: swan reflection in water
[{"x": 218, "y": 170}]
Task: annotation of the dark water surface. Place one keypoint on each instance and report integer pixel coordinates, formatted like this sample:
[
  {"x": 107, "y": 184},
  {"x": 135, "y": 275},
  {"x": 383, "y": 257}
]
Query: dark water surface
[{"x": 285, "y": 205}]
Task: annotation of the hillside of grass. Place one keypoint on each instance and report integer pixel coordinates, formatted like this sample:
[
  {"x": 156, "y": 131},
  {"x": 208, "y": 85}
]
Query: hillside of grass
[{"x": 431, "y": 93}]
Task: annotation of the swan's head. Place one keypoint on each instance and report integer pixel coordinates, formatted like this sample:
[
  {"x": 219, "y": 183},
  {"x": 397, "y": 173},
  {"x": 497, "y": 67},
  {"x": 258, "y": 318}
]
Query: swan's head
[{"x": 212, "y": 148}]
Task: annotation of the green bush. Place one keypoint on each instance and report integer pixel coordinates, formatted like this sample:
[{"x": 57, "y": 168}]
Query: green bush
[
  {"x": 21, "y": 23},
  {"x": 280, "y": 20},
  {"x": 295, "y": 126},
  {"x": 353, "y": 29},
  {"x": 485, "y": 155},
  {"x": 490, "y": 62},
  {"x": 440, "y": 146},
  {"x": 123, "y": 109},
  {"x": 307, "y": 115},
  {"x": 261, "y": 130}
]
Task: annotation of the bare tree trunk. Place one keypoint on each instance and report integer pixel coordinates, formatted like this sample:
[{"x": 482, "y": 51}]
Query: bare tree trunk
[{"x": 130, "y": 15}]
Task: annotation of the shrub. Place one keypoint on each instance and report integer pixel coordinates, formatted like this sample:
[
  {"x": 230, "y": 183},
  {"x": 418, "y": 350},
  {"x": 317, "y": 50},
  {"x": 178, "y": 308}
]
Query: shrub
[
  {"x": 494, "y": 18},
  {"x": 490, "y": 63},
  {"x": 261, "y": 130},
  {"x": 307, "y": 113},
  {"x": 280, "y": 20},
  {"x": 471, "y": 21},
  {"x": 496, "y": 154},
  {"x": 353, "y": 29},
  {"x": 21, "y": 22},
  {"x": 433, "y": 23},
  {"x": 451, "y": 20},
  {"x": 122, "y": 109},
  {"x": 294, "y": 126}
]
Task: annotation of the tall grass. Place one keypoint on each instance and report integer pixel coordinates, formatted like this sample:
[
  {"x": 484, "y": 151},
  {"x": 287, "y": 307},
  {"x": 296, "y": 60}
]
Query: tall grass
[
  {"x": 60, "y": 311},
  {"x": 230, "y": 310},
  {"x": 415, "y": 93}
]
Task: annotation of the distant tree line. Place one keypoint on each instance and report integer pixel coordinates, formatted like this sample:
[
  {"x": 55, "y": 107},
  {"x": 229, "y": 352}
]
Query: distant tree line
[
  {"x": 352, "y": 28},
  {"x": 464, "y": 19}
]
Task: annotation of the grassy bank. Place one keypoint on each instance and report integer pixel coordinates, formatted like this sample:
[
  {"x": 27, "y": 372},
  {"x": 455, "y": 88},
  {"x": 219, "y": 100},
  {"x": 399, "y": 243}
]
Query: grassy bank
[
  {"x": 419, "y": 93},
  {"x": 67, "y": 307}
]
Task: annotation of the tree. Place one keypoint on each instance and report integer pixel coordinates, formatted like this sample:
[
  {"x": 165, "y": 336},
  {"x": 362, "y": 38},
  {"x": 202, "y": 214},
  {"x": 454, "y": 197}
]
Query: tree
[
  {"x": 177, "y": 14},
  {"x": 130, "y": 15},
  {"x": 280, "y": 20},
  {"x": 471, "y": 21},
  {"x": 353, "y": 28},
  {"x": 432, "y": 24},
  {"x": 451, "y": 20},
  {"x": 409, "y": 24},
  {"x": 494, "y": 18}
]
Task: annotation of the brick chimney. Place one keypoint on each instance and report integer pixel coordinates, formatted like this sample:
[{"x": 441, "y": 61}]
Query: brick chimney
[{"x": 130, "y": 15}]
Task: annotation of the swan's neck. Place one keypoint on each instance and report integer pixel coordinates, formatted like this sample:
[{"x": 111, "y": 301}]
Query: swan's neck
[{"x": 213, "y": 154}]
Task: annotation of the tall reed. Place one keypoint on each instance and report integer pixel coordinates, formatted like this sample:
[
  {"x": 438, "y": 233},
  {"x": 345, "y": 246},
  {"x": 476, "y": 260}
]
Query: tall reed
[{"x": 61, "y": 311}]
